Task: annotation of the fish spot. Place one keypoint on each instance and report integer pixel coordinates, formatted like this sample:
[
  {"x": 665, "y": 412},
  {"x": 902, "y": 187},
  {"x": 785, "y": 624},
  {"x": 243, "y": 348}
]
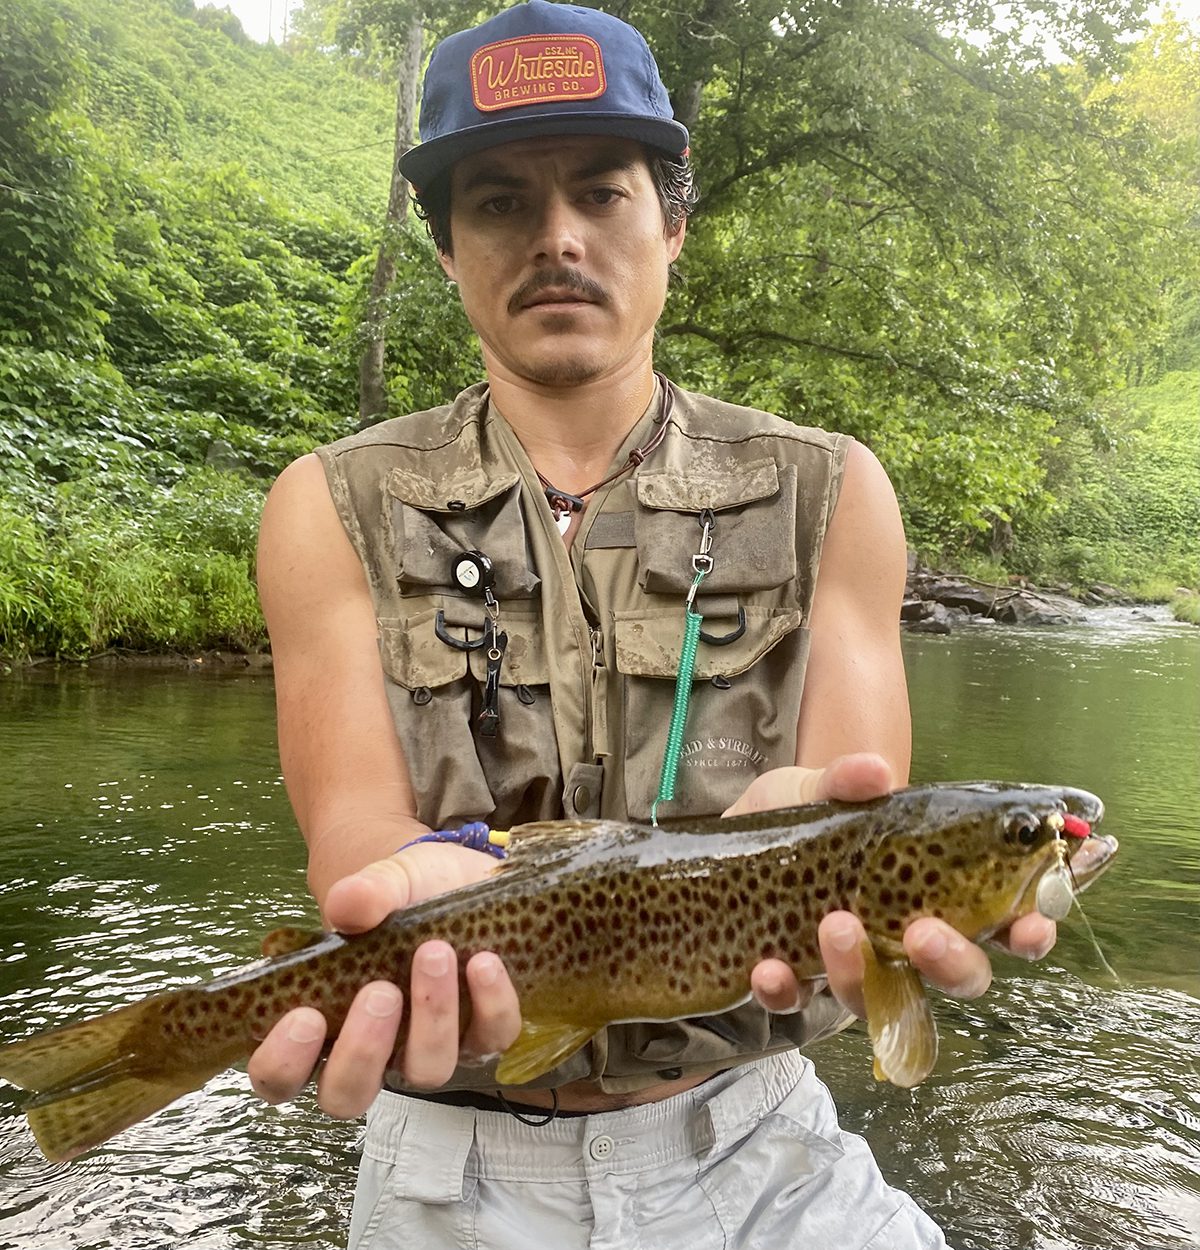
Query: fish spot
[
  {"x": 885, "y": 898},
  {"x": 888, "y": 863},
  {"x": 809, "y": 876},
  {"x": 731, "y": 933},
  {"x": 788, "y": 880},
  {"x": 935, "y": 848},
  {"x": 791, "y": 922},
  {"x": 906, "y": 872},
  {"x": 916, "y": 901},
  {"x": 932, "y": 877},
  {"x": 901, "y": 897},
  {"x": 823, "y": 865},
  {"x": 893, "y": 924},
  {"x": 821, "y": 893},
  {"x": 771, "y": 898},
  {"x": 561, "y": 916}
]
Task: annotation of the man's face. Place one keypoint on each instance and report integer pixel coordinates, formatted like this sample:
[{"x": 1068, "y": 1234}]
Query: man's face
[{"x": 561, "y": 256}]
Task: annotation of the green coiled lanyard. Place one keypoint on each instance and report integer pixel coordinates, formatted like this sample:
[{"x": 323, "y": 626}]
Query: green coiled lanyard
[{"x": 702, "y": 565}]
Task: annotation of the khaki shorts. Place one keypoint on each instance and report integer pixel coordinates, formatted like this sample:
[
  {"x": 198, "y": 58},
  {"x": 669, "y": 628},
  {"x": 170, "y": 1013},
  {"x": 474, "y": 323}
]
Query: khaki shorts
[{"x": 752, "y": 1159}]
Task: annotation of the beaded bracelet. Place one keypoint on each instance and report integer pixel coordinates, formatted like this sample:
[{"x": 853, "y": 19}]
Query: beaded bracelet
[{"x": 475, "y": 835}]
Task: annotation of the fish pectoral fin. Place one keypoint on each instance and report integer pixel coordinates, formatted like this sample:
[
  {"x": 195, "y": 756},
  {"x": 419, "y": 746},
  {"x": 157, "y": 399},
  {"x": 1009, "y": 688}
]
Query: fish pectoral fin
[
  {"x": 289, "y": 939},
  {"x": 540, "y": 1046},
  {"x": 903, "y": 1034}
]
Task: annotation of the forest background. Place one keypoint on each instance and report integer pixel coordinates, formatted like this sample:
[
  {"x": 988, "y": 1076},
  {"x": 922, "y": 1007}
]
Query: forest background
[{"x": 968, "y": 234}]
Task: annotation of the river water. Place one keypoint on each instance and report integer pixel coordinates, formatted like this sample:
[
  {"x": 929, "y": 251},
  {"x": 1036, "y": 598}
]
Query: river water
[{"x": 146, "y": 839}]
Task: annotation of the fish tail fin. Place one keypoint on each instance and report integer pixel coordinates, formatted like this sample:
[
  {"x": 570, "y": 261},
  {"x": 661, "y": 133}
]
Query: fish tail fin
[{"x": 93, "y": 1079}]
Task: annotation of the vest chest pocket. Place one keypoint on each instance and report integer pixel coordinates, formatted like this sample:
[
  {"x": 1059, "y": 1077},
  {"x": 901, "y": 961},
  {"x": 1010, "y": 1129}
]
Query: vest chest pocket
[
  {"x": 743, "y": 714},
  {"x": 754, "y": 538},
  {"x": 434, "y": 692},
  {"x": 435, "y": 522}
]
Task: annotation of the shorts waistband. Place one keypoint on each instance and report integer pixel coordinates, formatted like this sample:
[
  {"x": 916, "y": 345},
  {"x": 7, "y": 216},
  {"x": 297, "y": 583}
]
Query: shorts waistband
[{"x": 444, "y": 1141}]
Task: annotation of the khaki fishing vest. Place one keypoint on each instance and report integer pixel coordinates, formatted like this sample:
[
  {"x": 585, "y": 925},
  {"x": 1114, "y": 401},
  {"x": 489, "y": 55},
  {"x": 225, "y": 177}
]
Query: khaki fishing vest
[{"x": 593, "y": 639}]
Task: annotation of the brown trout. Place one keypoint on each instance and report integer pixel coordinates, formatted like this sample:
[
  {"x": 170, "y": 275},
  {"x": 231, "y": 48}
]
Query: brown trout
[{"x": 600, "y": 922}]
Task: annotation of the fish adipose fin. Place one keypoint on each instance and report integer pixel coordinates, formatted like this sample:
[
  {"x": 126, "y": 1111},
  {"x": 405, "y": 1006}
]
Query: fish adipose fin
[
  {"x": 97, "y": 1077},
  {"x": 540, "y": 1047},
  {"x": 899, "y": 1021}
]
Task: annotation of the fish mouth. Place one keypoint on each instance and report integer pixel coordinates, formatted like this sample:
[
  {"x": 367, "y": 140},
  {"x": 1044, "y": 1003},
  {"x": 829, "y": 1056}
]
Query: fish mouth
[{"x": 1090, "y": 857}]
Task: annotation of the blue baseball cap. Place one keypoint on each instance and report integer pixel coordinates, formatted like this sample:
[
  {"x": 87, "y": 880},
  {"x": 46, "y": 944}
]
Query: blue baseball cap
[{"x": 539, "y": 69}]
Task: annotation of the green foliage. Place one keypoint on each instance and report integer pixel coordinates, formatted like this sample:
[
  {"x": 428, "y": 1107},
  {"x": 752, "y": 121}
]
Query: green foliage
[
  {"x": 914, "y": 229},
  {"x": 1186, "y": 608},
  {"x": 169, "y": 567},
  {"x": 53, "y": 231},
  {"x": 1130, "y": 506}
]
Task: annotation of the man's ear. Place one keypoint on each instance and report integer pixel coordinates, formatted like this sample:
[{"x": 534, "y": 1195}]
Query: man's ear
[
  {"x": 675, "y": 242},
  {"x": 447, "y": 264}
]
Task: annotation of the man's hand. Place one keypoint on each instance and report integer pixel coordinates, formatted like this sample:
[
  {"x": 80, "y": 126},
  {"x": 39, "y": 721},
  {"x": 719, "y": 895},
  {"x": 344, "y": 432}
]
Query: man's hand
[
  {"x": 354, "y": 1072},
  {"x": 939, "y": 953}
]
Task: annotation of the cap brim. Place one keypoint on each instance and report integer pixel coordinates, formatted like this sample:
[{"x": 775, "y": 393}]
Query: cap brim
[{"x": 424, "y": 163}]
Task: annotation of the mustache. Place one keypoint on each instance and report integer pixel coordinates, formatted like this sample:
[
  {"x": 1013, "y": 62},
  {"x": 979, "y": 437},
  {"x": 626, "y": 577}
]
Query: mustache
[{"x": 556, "y": 279}]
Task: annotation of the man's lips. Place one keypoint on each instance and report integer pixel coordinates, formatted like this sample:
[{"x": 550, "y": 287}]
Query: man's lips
[
  {"x": 556, "y": 299},
  {"x": 564, "y": 289}
]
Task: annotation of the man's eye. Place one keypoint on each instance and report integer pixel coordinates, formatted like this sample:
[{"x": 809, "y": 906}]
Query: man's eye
[
  {"x": 499, "y": 205},
  {"x": 604, "y": 195}
]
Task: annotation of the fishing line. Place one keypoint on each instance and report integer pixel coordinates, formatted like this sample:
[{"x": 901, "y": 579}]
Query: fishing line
[{"x": 1087, "y": 924}]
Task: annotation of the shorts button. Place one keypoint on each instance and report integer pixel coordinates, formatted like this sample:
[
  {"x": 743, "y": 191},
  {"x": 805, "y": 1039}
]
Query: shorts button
[
  {"x": 582, "y": 798},
  {"x": 601, "y": 1147}
]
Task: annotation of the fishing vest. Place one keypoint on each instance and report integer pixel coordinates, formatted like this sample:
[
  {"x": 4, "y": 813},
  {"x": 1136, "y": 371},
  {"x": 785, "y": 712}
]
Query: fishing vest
[{"x": 572, "y": 719}]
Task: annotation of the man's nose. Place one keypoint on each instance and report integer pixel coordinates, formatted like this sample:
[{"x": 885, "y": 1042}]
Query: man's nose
[{"x": 558, "y": 236}]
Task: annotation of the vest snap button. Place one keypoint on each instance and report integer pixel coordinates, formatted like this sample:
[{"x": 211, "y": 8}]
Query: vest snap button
[
  {"x": 582, "y": 798},
  {"x": 456, "y": 505},
  {"x": 721, "y": 682},
  {"x": 422, "y": 695},
  {"x": 525, "y": 695}
]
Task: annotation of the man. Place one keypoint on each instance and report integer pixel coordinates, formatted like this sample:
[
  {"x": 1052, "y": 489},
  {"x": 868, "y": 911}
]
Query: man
[{"x": 476, "y": 613}]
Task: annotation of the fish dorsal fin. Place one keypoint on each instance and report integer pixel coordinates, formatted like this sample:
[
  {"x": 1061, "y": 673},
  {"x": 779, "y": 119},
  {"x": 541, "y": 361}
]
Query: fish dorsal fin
[
  {"x": 541, "y": 1045},
  {"x": 899, "y": 1021},
  {"x": 288, "y": 939}
]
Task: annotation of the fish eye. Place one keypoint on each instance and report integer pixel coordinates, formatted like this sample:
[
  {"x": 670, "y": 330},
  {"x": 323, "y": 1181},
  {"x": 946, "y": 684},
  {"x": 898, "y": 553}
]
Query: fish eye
[{"x": 1024, "y": 828}]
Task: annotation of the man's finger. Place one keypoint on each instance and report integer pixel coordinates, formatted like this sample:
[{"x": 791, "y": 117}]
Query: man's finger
[
  {"x": 841, "y": 936},
  {"x": 281, "y": 1066},
  {"x": 354, "y": 1072},
  {"x": 495, "y": 1011},
  {"x": 946, "y": 959},
  {"x": 1031, "y": 937},
  {"x": 431, "y": 1049},
  {"x": 775, "y": 986}
]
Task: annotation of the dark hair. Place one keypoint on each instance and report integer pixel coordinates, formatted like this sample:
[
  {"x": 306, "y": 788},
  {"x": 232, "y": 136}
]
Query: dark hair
[{"x": 674, "y": 183}]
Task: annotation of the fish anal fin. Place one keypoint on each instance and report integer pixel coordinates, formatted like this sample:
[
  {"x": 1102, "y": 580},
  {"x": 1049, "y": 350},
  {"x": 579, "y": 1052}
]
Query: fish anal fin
[
  {"x": 899, "y": 1020},
  {"x": 541, "y": 1045},
  {"x": 288, "y": 939}
]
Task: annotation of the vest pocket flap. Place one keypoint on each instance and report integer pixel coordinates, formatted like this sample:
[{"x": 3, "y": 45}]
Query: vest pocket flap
[
  {"x": 414, "y": 656},
  {"x": 524, "y": 662},
  {"x": 648, "y": 643},
  {"x": 455, "y": 494},
  {"x": 753, "y": 540},
  {"x": 673, "y": 491}
]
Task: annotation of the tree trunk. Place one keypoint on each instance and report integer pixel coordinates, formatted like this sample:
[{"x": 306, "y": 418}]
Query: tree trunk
[{"x": 372, "y": 390}]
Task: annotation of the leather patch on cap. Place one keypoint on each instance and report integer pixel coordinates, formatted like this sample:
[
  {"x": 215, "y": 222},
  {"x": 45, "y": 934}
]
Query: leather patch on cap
[{"x": 538, "y": 69}]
